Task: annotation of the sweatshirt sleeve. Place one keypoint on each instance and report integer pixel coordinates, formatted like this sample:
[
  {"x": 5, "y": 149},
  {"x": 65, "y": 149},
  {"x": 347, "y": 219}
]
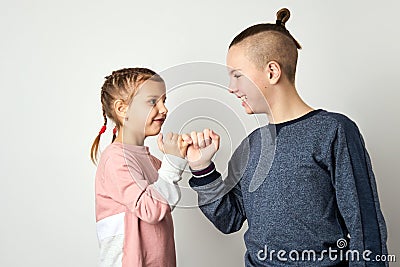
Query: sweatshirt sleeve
[
  {"x": 169, "y": 175},
  {"x": 221, "y": 201},
  {"x": 356, "y": 194},
  {"x": 149, "y": 202}
]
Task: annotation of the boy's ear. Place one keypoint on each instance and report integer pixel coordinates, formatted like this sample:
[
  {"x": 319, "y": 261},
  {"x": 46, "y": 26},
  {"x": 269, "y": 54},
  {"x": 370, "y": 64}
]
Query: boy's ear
[
  {"x": 120, "y": 108},
  {"x": 273, "y": 71}
]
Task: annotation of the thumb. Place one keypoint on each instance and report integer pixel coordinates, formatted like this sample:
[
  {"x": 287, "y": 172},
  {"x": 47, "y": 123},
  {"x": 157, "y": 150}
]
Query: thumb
[
  {"x": 183, "y": 146},
  {"x": 215, "y": 139},
  {"x": 184, "y": 143},
  {"x": 160, "y": 142}
]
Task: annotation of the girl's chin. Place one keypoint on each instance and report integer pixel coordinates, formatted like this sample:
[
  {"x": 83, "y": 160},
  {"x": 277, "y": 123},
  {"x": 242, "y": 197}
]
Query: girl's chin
[{"x": 152, "y": 131}]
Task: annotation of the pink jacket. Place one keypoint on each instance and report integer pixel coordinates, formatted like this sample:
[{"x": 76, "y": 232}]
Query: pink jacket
[{"x": 134, "y": 197}]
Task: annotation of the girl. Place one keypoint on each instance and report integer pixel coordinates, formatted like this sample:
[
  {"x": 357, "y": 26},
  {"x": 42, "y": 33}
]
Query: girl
[{"x": 133, "y": 200}]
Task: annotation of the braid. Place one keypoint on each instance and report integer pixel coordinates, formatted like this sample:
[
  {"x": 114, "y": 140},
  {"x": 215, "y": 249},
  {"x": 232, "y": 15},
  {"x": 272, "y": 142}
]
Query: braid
[
  {"x": 129, "y": 72},
  {"x": 121, "y": 84},
  {"x": 105, "y": 117},
  {"x": 114, "y": 133}
]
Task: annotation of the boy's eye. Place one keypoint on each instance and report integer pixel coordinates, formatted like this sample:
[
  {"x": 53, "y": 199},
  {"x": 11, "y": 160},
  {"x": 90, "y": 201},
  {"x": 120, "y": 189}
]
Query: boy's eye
[
  {"x": 153, "y": 101},
  {"x": 237, "y": 76}
]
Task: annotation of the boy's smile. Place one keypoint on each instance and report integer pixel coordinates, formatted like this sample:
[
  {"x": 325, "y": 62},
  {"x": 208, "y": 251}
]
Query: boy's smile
[{"x": 246, "y": 81}]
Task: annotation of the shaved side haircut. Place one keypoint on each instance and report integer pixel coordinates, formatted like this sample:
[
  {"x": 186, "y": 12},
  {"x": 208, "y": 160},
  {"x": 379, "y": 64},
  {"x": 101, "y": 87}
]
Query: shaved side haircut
[{"x": 268, "y": 42}]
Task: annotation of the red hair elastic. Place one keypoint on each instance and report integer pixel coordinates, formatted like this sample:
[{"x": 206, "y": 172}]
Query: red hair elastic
[
  {"x": 115, "y": 130},
  {"x": 103, "y": 129}
]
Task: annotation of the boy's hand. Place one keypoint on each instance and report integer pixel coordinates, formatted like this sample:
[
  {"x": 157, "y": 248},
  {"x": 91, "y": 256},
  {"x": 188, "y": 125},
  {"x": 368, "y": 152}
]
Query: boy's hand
[
  {"x": 172, "y": 144},
  {"x": 203, "y": 146}
]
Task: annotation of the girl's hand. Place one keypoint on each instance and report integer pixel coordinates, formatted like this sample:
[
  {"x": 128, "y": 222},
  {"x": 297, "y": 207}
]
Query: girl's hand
[
  {"x": 203, "y": 146},
  {"x": 172, "y": 144}
]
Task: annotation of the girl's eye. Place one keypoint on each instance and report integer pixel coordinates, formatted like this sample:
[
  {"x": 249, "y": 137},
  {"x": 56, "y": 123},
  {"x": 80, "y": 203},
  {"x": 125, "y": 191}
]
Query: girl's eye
[
  {"x": 153, "y": 101},
  {"x": 237, "y": 76}
]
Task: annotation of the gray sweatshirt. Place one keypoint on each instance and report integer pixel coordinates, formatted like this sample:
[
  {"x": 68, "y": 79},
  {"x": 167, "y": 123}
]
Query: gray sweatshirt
[{"x": 307, "y": 190}]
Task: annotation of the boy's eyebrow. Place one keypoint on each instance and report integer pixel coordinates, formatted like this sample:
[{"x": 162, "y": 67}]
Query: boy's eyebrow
[
  {"x": 232, "y": 71},
  {"x": 157, "y": 96}
]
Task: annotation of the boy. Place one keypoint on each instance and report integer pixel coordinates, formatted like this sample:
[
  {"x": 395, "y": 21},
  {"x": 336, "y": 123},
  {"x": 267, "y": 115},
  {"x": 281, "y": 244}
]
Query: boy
[{"x": 304, "y": 182}]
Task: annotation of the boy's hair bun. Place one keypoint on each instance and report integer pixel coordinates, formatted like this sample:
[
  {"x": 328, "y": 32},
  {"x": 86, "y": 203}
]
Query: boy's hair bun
[{"x": 282, "y": 16}]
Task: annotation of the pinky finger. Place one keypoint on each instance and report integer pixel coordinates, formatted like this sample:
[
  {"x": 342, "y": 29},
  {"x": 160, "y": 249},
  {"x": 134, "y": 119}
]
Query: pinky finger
[{"x": 187, "y": 138}]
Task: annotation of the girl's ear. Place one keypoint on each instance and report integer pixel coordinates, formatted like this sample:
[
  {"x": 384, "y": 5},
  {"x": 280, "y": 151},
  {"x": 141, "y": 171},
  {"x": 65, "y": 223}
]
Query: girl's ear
[
  {"x": 120, "y": 109},
  {"x": 274, "y": 72}
]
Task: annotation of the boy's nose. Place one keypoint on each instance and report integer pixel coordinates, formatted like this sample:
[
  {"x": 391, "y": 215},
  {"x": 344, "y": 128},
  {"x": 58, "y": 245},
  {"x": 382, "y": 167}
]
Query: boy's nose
[{"x": 232, "y": 90}]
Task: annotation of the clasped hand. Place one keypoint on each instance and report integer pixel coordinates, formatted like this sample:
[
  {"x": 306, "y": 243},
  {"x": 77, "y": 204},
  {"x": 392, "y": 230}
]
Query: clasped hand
[{"x": 197, "y": 147}]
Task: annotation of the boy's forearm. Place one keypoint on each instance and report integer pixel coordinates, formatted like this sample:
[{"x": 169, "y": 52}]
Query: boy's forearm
[{"x": 218, "y": 203}]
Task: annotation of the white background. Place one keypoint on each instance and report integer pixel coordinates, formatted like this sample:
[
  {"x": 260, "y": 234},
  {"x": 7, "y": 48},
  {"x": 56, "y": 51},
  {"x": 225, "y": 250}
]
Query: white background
[{"x": 54, "y": 55}]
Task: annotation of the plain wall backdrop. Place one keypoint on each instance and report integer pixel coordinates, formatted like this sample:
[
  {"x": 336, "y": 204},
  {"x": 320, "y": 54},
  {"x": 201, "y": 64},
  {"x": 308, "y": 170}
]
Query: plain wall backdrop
[{"x": 55, "y": 54}]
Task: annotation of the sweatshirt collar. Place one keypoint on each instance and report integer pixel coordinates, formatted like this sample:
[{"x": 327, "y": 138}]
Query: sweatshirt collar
[{"x": 133, "y": 148}]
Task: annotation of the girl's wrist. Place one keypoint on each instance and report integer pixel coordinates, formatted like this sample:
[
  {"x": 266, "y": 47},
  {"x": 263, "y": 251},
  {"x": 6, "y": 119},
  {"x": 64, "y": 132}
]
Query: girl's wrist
[{"x": 174, "y": 153}]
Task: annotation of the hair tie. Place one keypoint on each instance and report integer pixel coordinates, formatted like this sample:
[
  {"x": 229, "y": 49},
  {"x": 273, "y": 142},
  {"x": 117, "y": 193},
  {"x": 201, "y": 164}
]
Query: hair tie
[
  {"x": 103, "y": 129},
  {"x": 278, "y": 22},
  {"x": 115, "y": 130}
]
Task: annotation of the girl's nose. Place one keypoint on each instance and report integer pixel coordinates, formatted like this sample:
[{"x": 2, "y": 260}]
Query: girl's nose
[{"x": 162, "y": 109}]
